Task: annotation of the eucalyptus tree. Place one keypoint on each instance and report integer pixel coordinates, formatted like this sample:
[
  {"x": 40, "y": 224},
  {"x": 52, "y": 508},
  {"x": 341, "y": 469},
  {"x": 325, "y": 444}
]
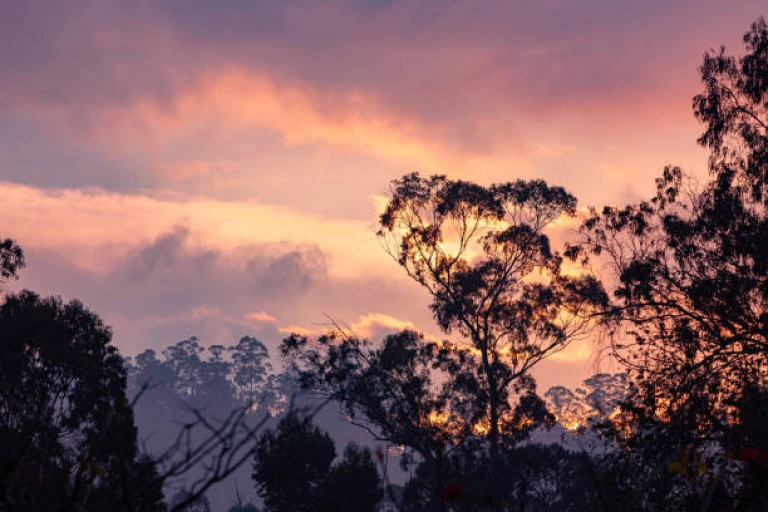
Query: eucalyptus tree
[
  {"x": 691, "y": 265},
  {"x": 291, "y": 463},
  {"x": 250, "y": 369},
  {"x": 483, "y": 255},
  {"x": 690, "y": 280}
]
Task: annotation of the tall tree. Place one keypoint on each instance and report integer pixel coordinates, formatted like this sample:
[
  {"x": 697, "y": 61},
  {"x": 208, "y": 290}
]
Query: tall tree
[
  {"x": 185, "y": 359},
  {"x": 690, "y": 308},
  {"x": 251, "y": 368},
  {"x": 200, "y": 432},
  {"x": 691, "y": 265},
  {"x": 483, "y": 256}
]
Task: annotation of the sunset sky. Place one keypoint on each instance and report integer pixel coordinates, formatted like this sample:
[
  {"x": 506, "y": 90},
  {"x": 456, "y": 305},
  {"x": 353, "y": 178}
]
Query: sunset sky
[{"x": 216, "y": 168}]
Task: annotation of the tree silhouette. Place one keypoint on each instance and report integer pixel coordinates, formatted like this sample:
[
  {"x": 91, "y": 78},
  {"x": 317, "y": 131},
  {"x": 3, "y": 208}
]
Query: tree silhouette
[
  {"x": 250, "y": 366},
  {"x": 293, "y": 470},
  {"x": 389, "y": 390},
  {"x": 690, "y": 309},
  {"x": 66, "y": 426},
  {"x": 691, "y": 265},
  {"x": 475, "y": 250},
  {"x": 291, "y": 463},
  {"x": 11, "y": 259},
  {"x": 352, "y": 484},
  {"x": 201, "y": 431},
  {"x": 184, "y": 358}
]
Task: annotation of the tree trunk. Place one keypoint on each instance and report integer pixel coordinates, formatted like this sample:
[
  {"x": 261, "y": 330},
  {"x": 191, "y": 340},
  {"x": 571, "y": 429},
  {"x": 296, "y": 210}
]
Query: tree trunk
[
  {"x": 438, "y": 505},
  {"x": 493, "y": 435}
]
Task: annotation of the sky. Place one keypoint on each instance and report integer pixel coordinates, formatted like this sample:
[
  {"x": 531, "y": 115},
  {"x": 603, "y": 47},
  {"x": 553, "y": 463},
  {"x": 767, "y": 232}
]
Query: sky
[{"x": 216, "y": 168}]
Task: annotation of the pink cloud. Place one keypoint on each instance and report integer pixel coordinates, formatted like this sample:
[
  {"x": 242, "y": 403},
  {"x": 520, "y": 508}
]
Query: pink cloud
[{"x": 261, "y": 317}]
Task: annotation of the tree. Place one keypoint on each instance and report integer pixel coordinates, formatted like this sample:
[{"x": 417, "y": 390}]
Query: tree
[
  {"x": 189, "y": 399},
  {"x": 184, "y": 359},
  {"x": 691, "y": 268},
  {"x": 596, "y": 400},
  {"x": 250, "y": 365},
  {"x": 291, "y": 463},
  {"x": 690, "y": 308},
  {"x": 484, "y": 258},
  {"x": 390, "y": 391},
  {"x": 11, "y": 259},
  {"x": 352, "y": 484},
  {"x": 293, "y": 471},
  {"x": 66, "y": 426}
]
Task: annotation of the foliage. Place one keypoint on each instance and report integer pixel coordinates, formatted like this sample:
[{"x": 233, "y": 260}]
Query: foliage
[
  {"x": 250, "y": 367},
  {"x": 483, "y": 256},
  {"x": 11, "y": 259},
  {"x": 690, "y": 308},
  {"x": 66, "y": 425},
  {"x": 596, "y": 400},
  {"x": 195, "y": 408},
  {"x": 692, "y": 270},
  {"x": 291, "y": 463},
  {"x": 205, "y": 378},
  {"x": 352, "y": 484},
  {"x": 293, "y": 470},
  {"x": 389, "y": 390}
]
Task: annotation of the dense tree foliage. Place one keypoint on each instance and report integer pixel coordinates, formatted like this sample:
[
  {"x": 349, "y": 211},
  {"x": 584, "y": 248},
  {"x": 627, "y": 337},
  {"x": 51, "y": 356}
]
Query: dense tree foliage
[
  {"x": 200, "y": 407},
  {"x": 353, "y": 483},
  {"x": 291, "y": 463},
  {"x": 389, "y": 390},
  {"x": 66, "y": 425},
  {"x": 690, "y": 309},
  {"x": 294, "y": 471},
  {"x": 214, "y": 378},
  {"x": 692, "y": 266}
]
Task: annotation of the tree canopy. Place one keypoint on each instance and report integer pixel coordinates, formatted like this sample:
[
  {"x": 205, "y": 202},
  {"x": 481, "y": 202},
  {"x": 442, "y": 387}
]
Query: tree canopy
[
  {"x": 493, "y": 279},
  {"x": 65, "y": 422},
  {"x": 691, "y": 264},
  {"x": 291, "y": 463}
]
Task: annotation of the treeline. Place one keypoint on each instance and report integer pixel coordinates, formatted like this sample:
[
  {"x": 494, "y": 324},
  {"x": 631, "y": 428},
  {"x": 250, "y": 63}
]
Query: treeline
[{"x": 677, "y": 285}]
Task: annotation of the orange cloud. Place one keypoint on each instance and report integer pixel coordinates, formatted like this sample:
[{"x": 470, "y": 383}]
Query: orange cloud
[
  {"x": 364, "y": 326},
  {"x": 96, "y": 230},
  {"x": 226, "y": 103}
]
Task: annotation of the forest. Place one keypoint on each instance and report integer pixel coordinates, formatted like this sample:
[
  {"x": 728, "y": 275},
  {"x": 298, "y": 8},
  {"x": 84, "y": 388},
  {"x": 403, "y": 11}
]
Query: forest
[{"x": 673, "y": 288}]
